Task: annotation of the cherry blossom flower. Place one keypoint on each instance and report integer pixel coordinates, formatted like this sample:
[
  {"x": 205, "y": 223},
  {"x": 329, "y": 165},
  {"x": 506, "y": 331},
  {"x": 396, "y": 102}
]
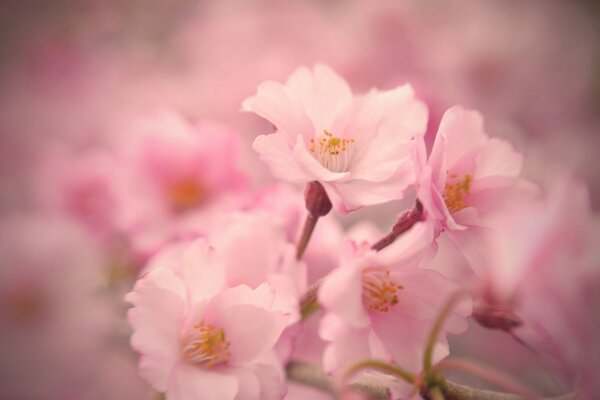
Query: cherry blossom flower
[
  {"x": 467, "y": 179},
  {"x": 382, "y": 304},
  {"x": 253, "y": 250},
  {"x": 357, "y": 147},
  {"x": 546, "y": 275},
  {"x": 179, "y": 175},
  {"x": 198, "y": 339}
]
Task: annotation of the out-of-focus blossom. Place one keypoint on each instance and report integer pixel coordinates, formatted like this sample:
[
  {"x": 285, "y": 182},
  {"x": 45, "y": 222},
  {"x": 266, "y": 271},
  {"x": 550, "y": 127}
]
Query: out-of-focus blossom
[
  {"x": 357, "y": 147},
  {"x": 382, "y": 304},
  {"x": 285, "y": 205},
  {"x": 178, "y": 176},
  {"x": 86, "y": 187},
  {"x": 546, "y": 273},
  {"x": 200, "y": 340},
  {"x": 53, "y": 318},
  {"x": 467, "y": 179}
]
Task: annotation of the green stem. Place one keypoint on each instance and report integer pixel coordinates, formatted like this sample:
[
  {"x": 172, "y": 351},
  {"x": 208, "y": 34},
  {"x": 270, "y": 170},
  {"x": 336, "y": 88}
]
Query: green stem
[
  {"x": 309, "y": 303},
  {"x": 381, "y": 367},
  {"x": 435, "y": 393},
  {"x": 437, "y": 328}
]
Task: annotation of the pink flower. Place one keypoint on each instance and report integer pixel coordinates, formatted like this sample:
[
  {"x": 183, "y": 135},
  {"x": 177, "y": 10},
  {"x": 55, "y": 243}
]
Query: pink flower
[
  {"x": 253, "y": 250},
  {"x": 547, "y": 273},
  {"x": 199, "y": 340},
  {"x": 467, "y": 179},
  {"x": 358, "y": 147},
  {"x": 179, "y": 175},
  {"x": 382, "y": 305}
]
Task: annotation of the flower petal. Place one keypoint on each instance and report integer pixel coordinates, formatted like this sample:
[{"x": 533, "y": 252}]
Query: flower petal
[
  {"x": 189, "y": 382},
  {"x": 278, "y": 105},
  {"x": 278, "y": 155}
]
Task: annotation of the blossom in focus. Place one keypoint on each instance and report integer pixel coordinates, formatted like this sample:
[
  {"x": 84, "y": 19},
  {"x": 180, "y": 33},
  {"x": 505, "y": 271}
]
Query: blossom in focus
[
  {"x": 357, "y": 147},
  {"x": 382, "y": 304},
  {"x": 253, "y": 250},
  {"x": 198, "y": 339},
  {"x": 467, "y": 180}
]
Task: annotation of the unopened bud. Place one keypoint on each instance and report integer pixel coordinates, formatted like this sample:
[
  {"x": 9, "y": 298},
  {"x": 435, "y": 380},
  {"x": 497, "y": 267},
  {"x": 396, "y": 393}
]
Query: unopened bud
[
  {"x": 493, "y": 317},
  {"x": 317, "y": 201}
]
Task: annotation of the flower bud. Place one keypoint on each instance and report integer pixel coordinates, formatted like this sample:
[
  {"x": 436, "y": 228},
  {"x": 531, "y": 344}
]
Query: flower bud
[{"x": 317, "y": 201}]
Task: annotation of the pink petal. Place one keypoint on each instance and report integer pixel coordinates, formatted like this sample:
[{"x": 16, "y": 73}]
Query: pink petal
[
  {"x": 282, "y": 107},
  {"x": 351, "y": 346},
  {"x": 278, "y": 155},
  {"x": 189, "y": 382},
  {"x": 460, "y": 136},
  {"x": 238, "y": 243},
  {"x": 341, "y": 293},
  {"x": 201, "y": 271},
  {"x": 155, "y": 318},
  {"x": 322, "y": 92},
  {"x": 402, "y": 120},
  {"x": 498, "y": 158},
  {"x": 249, "y": 329},
  {"x": 409, "y": 247},
  {"x": 355, "y": 194}
]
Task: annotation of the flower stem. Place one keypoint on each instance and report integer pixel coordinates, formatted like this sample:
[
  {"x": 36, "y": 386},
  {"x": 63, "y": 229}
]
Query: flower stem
[
  {"x": 318, "y": 205},
  {"x": 309, "y": 227},
  {"x": 406, "y": 221},
  {"x": 437, "y": 328},
  {"x": 381, "y": 367},
  {"x": 435, "y": 393},
  {"x": 484, "y": 372},
  {"x": 309, "y": 303}
]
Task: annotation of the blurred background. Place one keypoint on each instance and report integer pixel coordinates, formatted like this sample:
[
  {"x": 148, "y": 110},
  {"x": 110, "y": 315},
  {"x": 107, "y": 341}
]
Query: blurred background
[{"x": 75, "y": 74}]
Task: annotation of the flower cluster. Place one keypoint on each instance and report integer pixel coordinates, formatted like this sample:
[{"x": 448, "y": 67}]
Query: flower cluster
[{"x": 229, "y": 298}]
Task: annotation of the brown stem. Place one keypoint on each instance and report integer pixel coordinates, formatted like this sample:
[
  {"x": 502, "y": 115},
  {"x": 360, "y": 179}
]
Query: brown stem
[
  {"x": 384, "y": 241},
  {"x": 309, "y": 227},
  {"x": 403, "y": 224}
]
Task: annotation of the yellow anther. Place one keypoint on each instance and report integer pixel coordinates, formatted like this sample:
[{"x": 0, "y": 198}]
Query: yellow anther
[
  {"x": 333, "y": 152},
  {"x": 455, "y": 192},
  {"x": 205, "y": 346},
  {"x": 379, "y": 289}
]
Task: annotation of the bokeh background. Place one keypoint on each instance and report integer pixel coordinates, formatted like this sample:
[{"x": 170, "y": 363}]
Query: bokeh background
[{"x": 75, "y": 74}]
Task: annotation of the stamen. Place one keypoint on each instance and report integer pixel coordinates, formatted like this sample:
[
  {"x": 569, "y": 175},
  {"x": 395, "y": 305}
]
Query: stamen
[
  {"x": 185, "y": 194},
  {"x": 379, "y": 289},
  {"x": 333, "y": 152},
  {"x": 205, "y": 346},
  {"x": 454, "y": 192}
]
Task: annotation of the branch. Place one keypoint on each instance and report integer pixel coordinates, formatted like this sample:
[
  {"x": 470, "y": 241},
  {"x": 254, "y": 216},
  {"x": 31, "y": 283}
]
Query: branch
[{"x": 313, "y": 375}]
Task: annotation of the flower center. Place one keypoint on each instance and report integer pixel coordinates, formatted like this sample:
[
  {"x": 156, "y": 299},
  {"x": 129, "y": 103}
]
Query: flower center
[
  {"x": 205, "y": 346},
  {"x": 379, "y": 289},
  {"x": 185, "y": 194},
  {"x": 334, "y": 153},
  {"x": 455, "y": 192}
]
